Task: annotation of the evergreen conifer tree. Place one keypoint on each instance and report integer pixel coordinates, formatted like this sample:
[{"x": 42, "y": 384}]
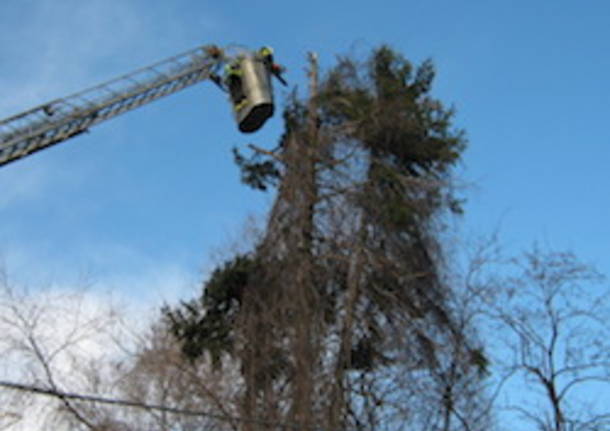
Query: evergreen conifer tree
[{"x": 347, "y": 286}]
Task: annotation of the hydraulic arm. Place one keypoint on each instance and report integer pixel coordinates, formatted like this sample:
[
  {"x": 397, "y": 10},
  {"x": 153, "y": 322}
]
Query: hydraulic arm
[{"x": 61, "y": 119}]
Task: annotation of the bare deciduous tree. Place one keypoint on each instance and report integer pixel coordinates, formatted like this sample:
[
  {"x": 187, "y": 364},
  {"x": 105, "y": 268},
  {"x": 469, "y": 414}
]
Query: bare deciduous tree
[
  {"x": 65, "y": 349},
  {"x": 51, "y": 339},
  {"x": 550, "y": 311}
]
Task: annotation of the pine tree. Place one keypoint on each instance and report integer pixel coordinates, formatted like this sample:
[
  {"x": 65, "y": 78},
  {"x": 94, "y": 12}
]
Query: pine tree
[{"x": 347, "y": 287}]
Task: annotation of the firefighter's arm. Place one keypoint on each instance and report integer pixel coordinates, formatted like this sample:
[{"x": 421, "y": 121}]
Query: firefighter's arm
[{"x": 277, "y": 70}]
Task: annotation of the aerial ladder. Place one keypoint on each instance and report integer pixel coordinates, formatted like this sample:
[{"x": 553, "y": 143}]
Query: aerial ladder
[{"x": 61, "y": 119}]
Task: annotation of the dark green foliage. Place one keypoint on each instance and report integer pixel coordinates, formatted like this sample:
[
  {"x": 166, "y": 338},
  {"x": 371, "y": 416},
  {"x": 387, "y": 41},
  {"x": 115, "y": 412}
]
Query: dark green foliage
[
  {"x": 256, "y": 173},
  {"x": 260, "y": 173},
  {"x": 384, "y": 107},
  {"x": 362, "y": 356},
  {"x": 388, "y": 109},
  {"x": 384, "y": 270},
  {"x": 205, "y": 324},
  {"x": 479, "y": 360}
]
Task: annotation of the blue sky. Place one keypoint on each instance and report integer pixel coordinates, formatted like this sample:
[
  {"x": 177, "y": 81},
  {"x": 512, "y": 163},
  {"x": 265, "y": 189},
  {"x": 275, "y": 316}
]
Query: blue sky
[
  {"x": 157, "y": 188},
  {"x": 145, "y": 201}
]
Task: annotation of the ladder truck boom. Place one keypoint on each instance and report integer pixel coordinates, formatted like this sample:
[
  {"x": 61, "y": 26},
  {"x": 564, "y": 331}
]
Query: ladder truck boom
[{"x": 62, "y": 119}]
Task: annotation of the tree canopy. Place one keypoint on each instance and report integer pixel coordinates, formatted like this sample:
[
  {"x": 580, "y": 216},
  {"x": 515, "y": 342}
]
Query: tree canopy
[{"x": 347, "y": 284}]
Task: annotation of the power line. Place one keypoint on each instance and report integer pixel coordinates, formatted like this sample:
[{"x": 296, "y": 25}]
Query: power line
[{"x": 144, "y": 406}]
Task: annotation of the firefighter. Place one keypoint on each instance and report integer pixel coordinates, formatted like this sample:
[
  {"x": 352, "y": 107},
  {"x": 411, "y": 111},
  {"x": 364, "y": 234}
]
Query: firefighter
[
  {"x": 266, "y": 53},
  {"x": 233, "y": 80},
  {"x": 277, "y": 70}
]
